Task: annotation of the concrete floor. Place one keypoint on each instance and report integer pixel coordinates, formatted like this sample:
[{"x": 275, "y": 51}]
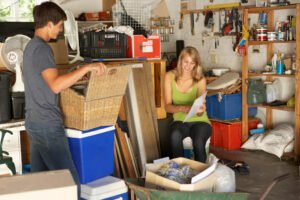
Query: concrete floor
[{"x": 264, "y": 168}]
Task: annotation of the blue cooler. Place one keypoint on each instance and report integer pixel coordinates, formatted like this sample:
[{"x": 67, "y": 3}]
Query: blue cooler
[
  {"x": 92, "y": 152},
  {"x": 108, "y": 188}
]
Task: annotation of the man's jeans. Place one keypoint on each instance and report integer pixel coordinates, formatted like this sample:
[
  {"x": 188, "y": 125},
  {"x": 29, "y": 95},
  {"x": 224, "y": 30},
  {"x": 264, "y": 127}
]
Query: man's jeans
[{"x": 49, "y": 149}]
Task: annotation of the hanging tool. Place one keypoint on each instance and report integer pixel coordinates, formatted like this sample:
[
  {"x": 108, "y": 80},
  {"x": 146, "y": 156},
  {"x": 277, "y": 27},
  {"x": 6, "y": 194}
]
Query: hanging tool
[
  {"x": 198, "y": 16},
  {"x": 192, "y": 23},
  {"x": 209, "y": 20},
  {"x": 228, "y": 26},
  {"x": 220, "y": 23},
  {"x": 236, "y": 17},
  {"x": 181, "y": 20}
]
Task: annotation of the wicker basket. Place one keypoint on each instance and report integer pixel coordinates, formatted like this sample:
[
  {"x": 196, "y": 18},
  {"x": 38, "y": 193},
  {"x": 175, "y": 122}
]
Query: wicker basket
[{"x": 101, "y": 103}]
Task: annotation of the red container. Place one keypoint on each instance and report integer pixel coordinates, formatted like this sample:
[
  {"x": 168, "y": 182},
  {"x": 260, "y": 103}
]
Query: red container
[
  {"x": 229, "y": 134},
  {"x": 144, "y": 48}
]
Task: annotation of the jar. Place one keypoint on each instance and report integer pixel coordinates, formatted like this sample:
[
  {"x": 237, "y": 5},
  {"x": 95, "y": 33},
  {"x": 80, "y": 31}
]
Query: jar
[{"x": 272, "y": 36}]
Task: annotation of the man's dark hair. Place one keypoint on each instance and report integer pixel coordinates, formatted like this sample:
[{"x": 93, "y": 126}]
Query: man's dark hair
[{"x": 47, "y": 11}]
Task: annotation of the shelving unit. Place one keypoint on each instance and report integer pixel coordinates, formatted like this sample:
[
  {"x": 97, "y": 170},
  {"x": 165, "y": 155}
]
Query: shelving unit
[{"x": 270, "y": 77}]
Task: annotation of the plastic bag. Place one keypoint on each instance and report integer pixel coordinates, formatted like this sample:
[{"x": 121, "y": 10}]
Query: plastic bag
[
  {"x": 256, "y": 91},
  {"x": 225, "y": 181},
  {"x": 273, "y": 91}
]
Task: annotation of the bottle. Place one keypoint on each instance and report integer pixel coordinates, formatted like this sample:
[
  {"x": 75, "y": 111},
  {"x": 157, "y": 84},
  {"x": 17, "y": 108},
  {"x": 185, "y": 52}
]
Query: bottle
[
  {"x": 279, "y": 65},
  {"x": 274, "y": 62}
]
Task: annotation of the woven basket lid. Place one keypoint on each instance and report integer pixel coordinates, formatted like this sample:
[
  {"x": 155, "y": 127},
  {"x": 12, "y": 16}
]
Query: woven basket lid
[{"x": 113, "y": 83}]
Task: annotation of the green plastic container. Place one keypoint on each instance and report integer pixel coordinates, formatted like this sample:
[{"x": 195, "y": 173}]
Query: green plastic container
[{"x": 136, "y": 187}]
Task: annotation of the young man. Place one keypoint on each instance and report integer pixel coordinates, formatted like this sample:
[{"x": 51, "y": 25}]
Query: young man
[{"x": 44, "y": 124}]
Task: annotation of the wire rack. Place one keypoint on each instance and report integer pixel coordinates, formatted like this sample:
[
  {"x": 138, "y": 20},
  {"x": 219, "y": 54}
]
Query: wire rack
[{"x": 133, "y": 13}]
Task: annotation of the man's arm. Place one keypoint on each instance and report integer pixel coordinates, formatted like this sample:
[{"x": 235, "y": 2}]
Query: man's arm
[{"x": 58, "y": 83}]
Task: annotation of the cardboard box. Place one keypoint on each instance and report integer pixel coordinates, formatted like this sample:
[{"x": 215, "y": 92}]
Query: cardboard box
[
  {"x": 60, "y": 51},
  {"x": 96, "y": 102},
  {"x": 58, "y": 185},
  {"x": 107, "y": 5},
  {"x": 205, "y": 184},
  {"x": 141, "y": 47}
]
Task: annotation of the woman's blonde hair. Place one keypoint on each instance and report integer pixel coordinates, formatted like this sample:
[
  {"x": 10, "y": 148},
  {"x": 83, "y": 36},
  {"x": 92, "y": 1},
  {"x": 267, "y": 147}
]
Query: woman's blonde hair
[{"x": 197, "y": 73}]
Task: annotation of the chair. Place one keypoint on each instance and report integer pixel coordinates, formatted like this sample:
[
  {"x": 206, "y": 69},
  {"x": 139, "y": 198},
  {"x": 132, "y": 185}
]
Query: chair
[{"x": 6, "y": 159}]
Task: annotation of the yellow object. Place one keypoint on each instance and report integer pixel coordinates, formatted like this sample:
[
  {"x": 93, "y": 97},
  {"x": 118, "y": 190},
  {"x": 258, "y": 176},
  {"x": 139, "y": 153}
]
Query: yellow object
[
  {"x": 291, "y": 102},
  {"x": 222, "y": 5}
]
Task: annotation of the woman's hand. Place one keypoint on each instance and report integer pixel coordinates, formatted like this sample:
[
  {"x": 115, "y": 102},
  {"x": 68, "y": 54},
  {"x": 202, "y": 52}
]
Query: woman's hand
[
  {"x": 202, "y": 109},
  {"x": 184, "y": 109}
]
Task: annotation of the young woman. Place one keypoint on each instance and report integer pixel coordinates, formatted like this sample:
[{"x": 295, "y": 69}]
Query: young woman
[{"x": 182, "y": 86}]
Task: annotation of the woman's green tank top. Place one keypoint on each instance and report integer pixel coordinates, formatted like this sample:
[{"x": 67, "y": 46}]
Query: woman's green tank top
[{"x": 186, "y": 98}]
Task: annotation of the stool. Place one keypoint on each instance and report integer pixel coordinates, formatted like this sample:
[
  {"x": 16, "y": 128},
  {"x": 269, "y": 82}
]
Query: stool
[{"x": 188, "y": 147}]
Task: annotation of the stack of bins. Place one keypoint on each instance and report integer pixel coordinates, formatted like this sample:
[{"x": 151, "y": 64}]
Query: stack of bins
[
  {"x": 225, "y": 113},
  {"x": 90, "y": 113}
]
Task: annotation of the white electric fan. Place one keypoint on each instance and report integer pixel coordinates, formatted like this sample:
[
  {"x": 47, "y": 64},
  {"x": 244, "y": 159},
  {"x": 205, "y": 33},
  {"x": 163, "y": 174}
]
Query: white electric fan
[
  {"x": 12, "y": 55},
  {"x": 71, "y": 33}
]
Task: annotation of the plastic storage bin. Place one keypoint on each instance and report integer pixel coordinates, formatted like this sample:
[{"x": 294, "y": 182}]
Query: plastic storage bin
[
  {"x": 105, "y": 188},
  {"x": 229, "y": 135},
  {"x": 92, "y": 152},
  {"x": 5, "y": 99},
  {"x": 229, "y": 107},
  {"x": 18, "y": 105},
  {"x": 103, "y": 44}
]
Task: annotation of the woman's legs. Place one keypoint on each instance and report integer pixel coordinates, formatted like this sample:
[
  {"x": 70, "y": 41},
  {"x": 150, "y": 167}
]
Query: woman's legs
[
  {"x": 179, "y": 131},
  {"x": 200, "y": 132}
]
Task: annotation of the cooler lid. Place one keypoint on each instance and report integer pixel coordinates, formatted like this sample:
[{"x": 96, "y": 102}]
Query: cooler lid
[
  {"x": 74, "y": 133},
  {"x": 107, "y": 184}
]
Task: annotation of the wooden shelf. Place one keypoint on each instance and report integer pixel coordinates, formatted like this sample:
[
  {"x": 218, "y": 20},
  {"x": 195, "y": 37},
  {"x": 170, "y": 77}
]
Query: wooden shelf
[
  {"x": 267, "y": 9},
  {"x": 283, "y": 108},
  {"x": 272, "y": 75},
  {"x": 197, "y": 11},
  {"x": 252, "y": 9},
  {"x": 269, "y": 42}
]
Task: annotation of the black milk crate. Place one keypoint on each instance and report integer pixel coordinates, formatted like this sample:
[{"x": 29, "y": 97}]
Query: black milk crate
[{"x": 103, "y": 44}]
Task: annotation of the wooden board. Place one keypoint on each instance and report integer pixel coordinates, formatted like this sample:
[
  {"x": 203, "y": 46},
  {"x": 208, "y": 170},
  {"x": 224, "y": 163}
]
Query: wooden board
[{"x": 128, "y": 162}]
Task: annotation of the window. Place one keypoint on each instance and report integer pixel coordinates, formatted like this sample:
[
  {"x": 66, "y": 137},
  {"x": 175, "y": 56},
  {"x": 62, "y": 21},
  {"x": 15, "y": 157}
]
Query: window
[{"x": 17, "y": 10}]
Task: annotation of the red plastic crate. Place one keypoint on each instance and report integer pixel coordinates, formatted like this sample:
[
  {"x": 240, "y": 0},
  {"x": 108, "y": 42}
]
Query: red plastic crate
[{"x": 229, "y": 134}]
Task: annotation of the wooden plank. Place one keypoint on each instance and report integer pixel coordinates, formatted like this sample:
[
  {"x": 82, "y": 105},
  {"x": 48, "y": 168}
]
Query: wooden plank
[
  {"x": 123, "y": 170},
  {"x": 297, "y": 84},
  {"x": 267, "y": 9},
  {"x": 244, "y": 85},
  {"x": 161, "y": 112},
  {"x": 133, "y": 123},
  {"x": 128, "y": 162},
  {"x": 270, "y": 42},
  {"x": 117, "y": 164},
  {"x": 122, "y": 113},
  {"x": 132, "y": 155},
  {"x": 145, "y": 104}
]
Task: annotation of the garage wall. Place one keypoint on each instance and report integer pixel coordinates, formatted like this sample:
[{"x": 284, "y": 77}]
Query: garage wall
[{"x": 223, "y": 55}]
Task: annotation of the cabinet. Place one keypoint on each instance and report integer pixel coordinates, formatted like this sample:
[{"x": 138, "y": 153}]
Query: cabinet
[{"x": 270, "y": 77}]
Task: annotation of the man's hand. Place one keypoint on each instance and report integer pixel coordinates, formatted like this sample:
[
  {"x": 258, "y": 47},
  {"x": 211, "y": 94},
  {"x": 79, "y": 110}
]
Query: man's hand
[{"x": 99, "y": 67}]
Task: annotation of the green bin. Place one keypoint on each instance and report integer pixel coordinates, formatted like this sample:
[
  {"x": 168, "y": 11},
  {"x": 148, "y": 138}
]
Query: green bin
[{"x": 137, "y": 190}]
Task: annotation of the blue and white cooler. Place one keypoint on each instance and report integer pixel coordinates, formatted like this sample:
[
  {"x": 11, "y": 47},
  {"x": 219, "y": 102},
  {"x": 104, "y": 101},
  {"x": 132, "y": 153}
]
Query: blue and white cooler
[
  {"x": 108, "y": 188},
  {"x": 92, "y": 152}
]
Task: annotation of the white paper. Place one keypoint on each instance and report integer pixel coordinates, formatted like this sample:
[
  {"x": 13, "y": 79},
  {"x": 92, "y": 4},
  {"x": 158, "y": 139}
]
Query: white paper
[
  {"x": 195, "y": 107},
  {"x": 204, "y": 173}
]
